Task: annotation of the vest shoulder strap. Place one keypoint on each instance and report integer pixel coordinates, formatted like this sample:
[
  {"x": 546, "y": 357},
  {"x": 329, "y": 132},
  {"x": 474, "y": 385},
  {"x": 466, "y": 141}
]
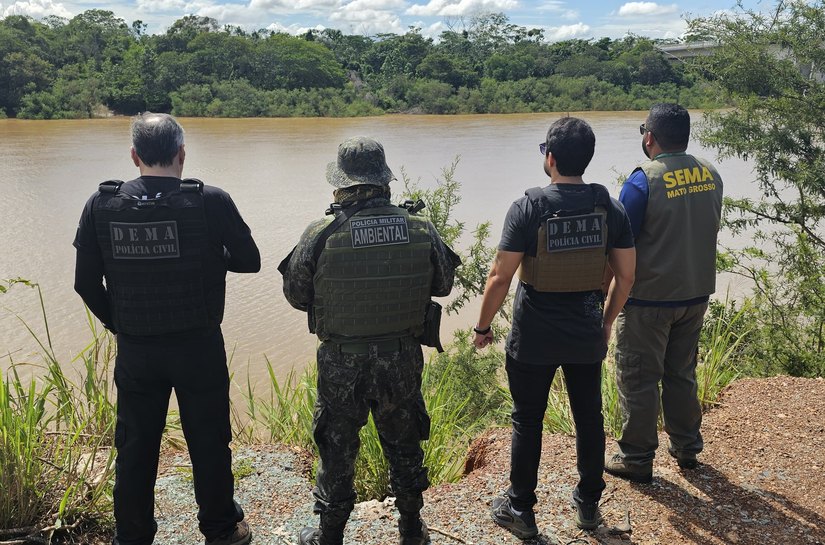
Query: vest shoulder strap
[
  {"x": 191, "y": 185},
  {"x": 339, "y": 220},
  {"x": 601, "y": 197},
  {"x": 534, "y": 194},
  {"x": 110, "y": 186}
]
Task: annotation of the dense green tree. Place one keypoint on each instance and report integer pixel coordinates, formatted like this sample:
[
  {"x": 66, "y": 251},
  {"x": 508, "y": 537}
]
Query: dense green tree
[
  {"x": 349, "y": 50},
  {"x": 393, "y": 55},
  {"x": 284, "y": 61},
  {"x": 772, "y": 66},
  {"x": 25, "y": 65},
  {"x": 96, "y": 35},
  {"x": 447, "y": 68}
]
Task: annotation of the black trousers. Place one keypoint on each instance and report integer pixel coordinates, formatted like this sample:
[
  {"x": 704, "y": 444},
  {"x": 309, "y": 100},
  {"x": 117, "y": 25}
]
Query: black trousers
[
  {"x": 146, "y": 371},
  {"x": 530, "y": 386}
]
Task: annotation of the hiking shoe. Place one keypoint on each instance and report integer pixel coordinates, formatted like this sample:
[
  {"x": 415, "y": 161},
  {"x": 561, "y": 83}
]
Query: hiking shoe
[
  {"x": 588, "y": 516},
  {"x": 240, "y": 536},
  {"x": 422, "y": 537},
  {"x": 309, "y": 536},
  {"x": 522, "y": 526},
  {"x": 686, "y": 460},
  {"x": 616, "y": 466}
]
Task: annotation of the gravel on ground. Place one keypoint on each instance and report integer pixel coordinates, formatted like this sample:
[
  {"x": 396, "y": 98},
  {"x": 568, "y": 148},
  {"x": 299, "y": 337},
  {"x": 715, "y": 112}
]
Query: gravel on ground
[{"x": 760, "y": 481}]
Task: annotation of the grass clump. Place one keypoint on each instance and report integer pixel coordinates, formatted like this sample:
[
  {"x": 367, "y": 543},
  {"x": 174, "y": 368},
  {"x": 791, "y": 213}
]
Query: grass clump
[{"x": 56, "y": 456}]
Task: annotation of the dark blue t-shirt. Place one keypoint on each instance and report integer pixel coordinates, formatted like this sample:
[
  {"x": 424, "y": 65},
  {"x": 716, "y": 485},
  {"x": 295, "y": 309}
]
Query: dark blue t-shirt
[{"x": 551, "y": 328}]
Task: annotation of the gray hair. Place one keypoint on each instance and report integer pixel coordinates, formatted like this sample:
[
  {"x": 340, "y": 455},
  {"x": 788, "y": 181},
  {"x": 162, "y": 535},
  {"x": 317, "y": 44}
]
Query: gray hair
[{"x": 156, "y": 138}]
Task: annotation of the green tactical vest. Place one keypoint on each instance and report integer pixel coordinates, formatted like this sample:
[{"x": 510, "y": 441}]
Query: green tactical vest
[
  {"x": 373, "y": 278},
  {"x": 571, "y": 250},
  {"x": 676, "y": 248}
]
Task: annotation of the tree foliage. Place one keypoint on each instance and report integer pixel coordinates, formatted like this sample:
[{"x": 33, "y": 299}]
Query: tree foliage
[
  {"x": 97, "y": 62},
  {"x": 772, "y": 67}
]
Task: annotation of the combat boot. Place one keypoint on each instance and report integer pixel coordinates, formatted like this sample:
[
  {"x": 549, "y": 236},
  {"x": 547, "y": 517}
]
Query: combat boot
[
  {"x": 331, "y": 532},
  {"x": 413, "y": 530}
]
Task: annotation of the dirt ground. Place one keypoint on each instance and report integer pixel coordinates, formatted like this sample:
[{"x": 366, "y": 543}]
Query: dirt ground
[{"x": 760, "y": 481}]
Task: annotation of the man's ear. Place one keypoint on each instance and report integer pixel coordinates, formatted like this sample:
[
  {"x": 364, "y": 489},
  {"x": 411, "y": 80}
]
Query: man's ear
[{"x": 135, "y": 158}]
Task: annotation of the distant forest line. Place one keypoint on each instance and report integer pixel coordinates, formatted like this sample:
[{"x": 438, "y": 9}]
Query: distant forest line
[{"x": 96, "y": 64}]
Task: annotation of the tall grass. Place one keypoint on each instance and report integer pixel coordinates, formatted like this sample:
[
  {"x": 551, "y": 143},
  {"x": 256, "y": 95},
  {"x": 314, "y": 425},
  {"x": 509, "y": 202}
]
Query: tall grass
[
  {"x": 721, "y": 336},
  {"x": 56, "y": 460},
  {"x": 285, "y": 415}
]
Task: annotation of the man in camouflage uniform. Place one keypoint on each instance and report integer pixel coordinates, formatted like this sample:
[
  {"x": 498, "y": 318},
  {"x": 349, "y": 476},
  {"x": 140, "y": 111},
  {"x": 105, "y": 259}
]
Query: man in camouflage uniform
[{"x": 366, "y": 289}]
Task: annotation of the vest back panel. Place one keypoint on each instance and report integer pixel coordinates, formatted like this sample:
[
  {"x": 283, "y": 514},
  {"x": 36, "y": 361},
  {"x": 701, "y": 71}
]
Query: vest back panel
[
  {"x": 374, "y": 276},
  {"x": 153, "y": 257},
  {"x": 676, "y": 248},
  {"x": 571, "y": 250}
]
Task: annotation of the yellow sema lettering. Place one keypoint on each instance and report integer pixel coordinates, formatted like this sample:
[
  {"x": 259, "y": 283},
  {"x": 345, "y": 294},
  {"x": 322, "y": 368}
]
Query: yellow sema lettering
[{"x": 686, "y": 176}]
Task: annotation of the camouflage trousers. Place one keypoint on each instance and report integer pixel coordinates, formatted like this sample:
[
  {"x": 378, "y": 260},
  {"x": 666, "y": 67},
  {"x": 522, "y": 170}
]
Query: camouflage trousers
[{"x": 350, "y": 386}]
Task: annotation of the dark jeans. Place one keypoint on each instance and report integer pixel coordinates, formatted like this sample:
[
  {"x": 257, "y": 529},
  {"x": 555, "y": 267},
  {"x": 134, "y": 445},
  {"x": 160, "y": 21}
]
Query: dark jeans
[
  {"x": 530, "y": 386},
  {"x": 145, "y": 374}
]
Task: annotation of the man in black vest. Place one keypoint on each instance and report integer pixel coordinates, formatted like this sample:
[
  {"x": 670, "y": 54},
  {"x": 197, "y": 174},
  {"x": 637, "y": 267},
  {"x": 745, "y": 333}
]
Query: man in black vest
[
  {"x": 164, "y": 246},
  {"x": 365, "y": 276},
  {"x": 561, "y": 238},
  {"x": 674, "y": 202}
]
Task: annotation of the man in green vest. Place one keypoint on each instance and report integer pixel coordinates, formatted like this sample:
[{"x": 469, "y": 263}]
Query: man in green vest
[
  {"x": 365, "y": 277},
  {"x": 674, "y": 202}
]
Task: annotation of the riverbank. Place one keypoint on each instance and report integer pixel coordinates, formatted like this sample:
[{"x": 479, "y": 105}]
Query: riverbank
[{"x": 758, "y": 482}]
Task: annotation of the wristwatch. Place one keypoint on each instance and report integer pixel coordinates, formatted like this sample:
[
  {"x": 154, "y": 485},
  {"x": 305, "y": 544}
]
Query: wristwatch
[{"x": 483, "y": 331}]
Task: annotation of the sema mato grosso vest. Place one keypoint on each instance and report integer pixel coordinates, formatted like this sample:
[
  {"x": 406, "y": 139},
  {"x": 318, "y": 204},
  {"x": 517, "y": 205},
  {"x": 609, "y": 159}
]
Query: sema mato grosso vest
[
  {"x": 153, "y": 252},
  {"x": 571, "y": 251},
  {"x": 373, "y": 278},
  {"x": 676, "y": 248}
]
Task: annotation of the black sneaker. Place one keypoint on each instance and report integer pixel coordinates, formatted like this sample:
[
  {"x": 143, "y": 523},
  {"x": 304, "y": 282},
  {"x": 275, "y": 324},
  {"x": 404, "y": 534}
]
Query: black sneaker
[
  {"x": 522, "y": 526},
  {"x": 241, "y": 536},
  {"x": 686, "y": 460},
  {"x": 588, "y": 516}
]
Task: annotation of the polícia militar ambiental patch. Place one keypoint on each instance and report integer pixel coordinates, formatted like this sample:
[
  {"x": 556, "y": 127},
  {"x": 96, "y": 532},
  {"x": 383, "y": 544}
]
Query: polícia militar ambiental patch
[
  {"x": 154, "y": 240},
  {"x": 379, "y": 231},
  {"x": 574, "y": 232}
]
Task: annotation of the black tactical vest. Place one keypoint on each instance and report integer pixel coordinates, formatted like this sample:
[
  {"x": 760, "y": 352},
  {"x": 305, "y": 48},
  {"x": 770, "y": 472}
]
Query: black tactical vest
[
  {"x": 373, "y": 277},
  {"x": 153, "y": 257},
  {"x": 571, "y": 251}
]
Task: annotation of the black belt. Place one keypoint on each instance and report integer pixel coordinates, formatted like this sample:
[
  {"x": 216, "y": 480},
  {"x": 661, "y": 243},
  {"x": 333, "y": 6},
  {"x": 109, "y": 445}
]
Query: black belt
[{"x": 389, "y": 345}]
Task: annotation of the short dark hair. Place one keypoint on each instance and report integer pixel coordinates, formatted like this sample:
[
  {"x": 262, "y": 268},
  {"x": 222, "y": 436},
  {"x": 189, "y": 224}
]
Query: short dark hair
[
  {"x": 572, "y": 143},
  {"x": 670, "y": 125},
  {"x": 156, "y": 138}
]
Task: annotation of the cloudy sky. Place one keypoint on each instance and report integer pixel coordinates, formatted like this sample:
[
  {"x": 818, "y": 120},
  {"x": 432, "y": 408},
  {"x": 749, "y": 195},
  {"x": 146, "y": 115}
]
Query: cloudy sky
[{"x": 560, "y": 19}]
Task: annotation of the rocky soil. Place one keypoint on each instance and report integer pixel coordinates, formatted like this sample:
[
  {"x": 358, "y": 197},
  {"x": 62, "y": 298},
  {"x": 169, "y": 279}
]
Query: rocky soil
[{"x": 761, "y": 481}]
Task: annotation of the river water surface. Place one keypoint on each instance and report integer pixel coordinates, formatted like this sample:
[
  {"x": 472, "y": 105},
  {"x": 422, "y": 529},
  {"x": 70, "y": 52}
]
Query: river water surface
[{"x": 274, "y": 170}]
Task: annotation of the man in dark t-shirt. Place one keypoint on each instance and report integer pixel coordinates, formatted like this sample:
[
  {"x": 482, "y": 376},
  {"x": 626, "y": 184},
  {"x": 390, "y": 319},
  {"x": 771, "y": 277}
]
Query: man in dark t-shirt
[
  {"x": 561, "y": 239},
  {"x": 164, "y": 246}
]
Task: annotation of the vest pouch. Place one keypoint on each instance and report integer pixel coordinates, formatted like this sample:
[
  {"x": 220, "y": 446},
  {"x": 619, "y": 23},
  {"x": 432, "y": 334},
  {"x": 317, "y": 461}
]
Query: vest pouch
[
  {"x": 570, "y": 253},
  {"x": 311, "y": 318},
  {"x": 431, "y": 335}
]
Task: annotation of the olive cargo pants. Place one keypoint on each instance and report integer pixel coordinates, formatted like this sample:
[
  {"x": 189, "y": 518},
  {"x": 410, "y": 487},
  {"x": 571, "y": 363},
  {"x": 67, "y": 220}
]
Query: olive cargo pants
[{"x": 653, "y": 345}]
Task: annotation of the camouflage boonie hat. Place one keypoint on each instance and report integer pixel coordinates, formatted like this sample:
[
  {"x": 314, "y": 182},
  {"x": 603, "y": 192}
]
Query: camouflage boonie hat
[{"x": 360, "y": 161}]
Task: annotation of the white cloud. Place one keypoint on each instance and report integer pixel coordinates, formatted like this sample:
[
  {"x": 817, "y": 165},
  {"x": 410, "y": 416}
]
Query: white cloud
[
  {"x": 558, "y": 8},
  {"x": 292, "y": 6},
  {"x": 568, "y": 32},
  {"x": 452, "y": 8},
  {"x": 294, "y": 29},
  {"x": 366, "y": 21},
  {"x": 633, "y": 9},
  {"x": 154, "y": 6},
  {"x": 37, "y": 9}
]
